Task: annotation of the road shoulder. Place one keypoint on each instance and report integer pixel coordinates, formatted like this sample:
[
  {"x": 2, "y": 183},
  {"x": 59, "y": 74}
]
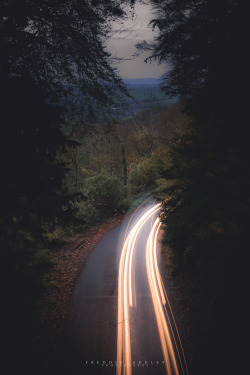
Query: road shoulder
[{"x": 61, "y": 282}]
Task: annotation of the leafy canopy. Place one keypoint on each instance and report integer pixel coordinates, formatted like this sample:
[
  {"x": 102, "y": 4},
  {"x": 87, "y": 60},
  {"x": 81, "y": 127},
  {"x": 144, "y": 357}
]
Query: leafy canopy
[
  {"x": 206, "y": 206},
  {"x": 56, "y": 42}
]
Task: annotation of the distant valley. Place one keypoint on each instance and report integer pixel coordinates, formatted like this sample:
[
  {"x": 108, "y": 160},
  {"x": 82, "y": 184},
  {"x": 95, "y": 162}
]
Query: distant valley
[
  {"x": 142, "y": 81},
  {"x": 145, "y": 92}
]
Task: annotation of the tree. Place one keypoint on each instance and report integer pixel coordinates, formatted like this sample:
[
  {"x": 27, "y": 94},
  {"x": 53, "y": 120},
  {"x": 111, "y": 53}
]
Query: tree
[
  {"x": 59, "y": 42},
  {"x": 206, "y": 209},
  {"x": 124, "y": 165},
  {"x": 31, "y": 179},
  {"x": 197, "y": 39},
  {"x": 106, "y": 192},
  {"x": 49, "y": 50}
]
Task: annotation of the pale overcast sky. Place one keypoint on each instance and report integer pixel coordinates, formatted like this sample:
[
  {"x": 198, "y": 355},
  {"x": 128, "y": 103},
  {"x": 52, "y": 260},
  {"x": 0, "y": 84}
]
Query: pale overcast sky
[{"x": 122, "y": 45}]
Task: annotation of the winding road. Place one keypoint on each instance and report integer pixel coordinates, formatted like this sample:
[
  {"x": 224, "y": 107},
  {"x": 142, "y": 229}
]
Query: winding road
[{"x": 121, "y": 321}]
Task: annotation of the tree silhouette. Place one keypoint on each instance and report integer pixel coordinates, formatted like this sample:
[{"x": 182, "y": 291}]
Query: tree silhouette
[
  {"x": 56, "y": 42},
  {"x": 207, "y": 209},
  {"x": 48, "y": 50}
]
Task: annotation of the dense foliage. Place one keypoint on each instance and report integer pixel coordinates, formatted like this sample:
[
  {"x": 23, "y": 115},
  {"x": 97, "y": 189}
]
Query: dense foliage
[
  {"x": 206, "y": 212},
  {"x": 105, "y": 191},
  {"x": 46, "y": 49},
  {"x": 130, "y": 152},
  {"x": 59, "y": 42}
]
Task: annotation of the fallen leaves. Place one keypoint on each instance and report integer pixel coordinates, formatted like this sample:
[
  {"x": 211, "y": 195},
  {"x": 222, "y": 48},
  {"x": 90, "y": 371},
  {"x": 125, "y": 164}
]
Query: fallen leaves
[{"x": 69, "y": 261}]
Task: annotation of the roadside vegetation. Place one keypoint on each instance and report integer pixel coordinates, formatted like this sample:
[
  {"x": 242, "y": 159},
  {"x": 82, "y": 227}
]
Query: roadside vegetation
[{"x": 206, "y": 206}]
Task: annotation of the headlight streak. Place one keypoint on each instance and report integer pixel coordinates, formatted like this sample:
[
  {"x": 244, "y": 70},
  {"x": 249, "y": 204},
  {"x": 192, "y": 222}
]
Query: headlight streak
[
  {"x": 159, "y": 298},
  {"x": 131, "y": 259},
  {"x": 183, "y": 355},
  {"x": 166, "y": 344},
  {"x": 127, "y": 299}
]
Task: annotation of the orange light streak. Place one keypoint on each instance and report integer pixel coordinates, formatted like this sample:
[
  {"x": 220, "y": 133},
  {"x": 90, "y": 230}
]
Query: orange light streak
[
  {"x": 127, "y": 299},
  {"x": 158, "y": 301},
  {"x": 125, "y": 294}
]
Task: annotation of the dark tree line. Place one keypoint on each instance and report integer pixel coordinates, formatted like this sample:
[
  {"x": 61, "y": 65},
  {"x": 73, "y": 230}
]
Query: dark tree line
[
  {"x": 207, "y": 214},
  {"x": 46, "y": 48},
  {"x": 56, "y": 42}
]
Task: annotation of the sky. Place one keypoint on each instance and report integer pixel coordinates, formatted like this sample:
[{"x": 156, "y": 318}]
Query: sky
[{"x": 122, "y": 42}]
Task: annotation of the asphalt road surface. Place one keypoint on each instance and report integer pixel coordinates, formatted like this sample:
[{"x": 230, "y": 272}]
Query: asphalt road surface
[{"x": 121, "y": 322}]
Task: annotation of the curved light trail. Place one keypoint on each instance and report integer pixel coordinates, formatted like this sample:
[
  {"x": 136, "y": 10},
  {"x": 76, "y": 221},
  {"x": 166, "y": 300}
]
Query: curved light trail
[
  {"x": 127, "y": 299},
  {"x": 125, "y": 294}
]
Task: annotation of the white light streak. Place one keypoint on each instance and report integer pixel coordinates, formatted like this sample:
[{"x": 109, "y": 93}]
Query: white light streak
[{"x": 127, "y": 300}]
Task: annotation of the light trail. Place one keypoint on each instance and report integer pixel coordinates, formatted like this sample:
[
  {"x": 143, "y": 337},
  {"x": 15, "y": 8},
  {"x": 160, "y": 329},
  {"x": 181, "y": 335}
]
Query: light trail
[
  {"x": 159, "y": 301},
  {"x": 179, "y": 339},
  {"x": 160, "y": 298},
  {"x": 125, "y": 294},
  {"x": 127, "y": 299}
]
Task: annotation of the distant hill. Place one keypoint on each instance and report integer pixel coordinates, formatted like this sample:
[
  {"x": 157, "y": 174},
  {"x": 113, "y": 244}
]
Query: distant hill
[
  {"x": 142, "y": 81},
  {"x": 145, "y": 93},
  {"x": 145, "y": 90}
]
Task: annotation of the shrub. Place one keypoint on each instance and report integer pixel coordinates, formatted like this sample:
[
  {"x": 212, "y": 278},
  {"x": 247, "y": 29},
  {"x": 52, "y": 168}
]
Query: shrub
[{"x": 105, "y": 192}]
